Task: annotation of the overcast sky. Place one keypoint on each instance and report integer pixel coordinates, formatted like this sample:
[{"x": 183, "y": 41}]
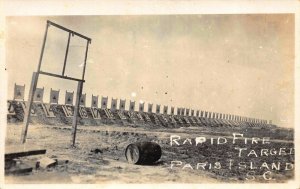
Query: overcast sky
[{"x": 236, "y": 64}]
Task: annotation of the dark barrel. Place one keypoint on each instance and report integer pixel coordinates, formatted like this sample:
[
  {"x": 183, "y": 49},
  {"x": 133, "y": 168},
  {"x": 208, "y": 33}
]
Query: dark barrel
[{"x": 143, "y": 153}]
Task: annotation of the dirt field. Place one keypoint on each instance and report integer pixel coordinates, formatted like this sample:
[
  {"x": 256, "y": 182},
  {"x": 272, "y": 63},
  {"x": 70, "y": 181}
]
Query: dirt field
[{"x": 110, "y": 165}]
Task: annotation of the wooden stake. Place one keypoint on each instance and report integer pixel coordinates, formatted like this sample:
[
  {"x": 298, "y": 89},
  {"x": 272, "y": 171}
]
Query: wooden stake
[
  {"x": 34, "y": 81},
  {"x": 75, "y": 116}
]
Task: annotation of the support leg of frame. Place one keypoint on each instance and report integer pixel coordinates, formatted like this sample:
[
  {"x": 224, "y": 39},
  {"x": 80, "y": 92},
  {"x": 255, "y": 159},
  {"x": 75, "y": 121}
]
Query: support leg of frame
[
  {"x": 75, "y": 116},
  {"x": 32, "y": 90}
]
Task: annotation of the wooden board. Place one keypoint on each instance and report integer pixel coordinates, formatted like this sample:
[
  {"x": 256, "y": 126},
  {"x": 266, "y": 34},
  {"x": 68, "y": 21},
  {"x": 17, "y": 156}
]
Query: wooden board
[
  {"x": 139, "y": 116},
  {"x": 48, "y": 111},
  {"x": 24, "y": 105},
  {"x": 95, "y": 113},
  {"x": 108, "y": 113},
  {"x": 121, "y": 115},
  {"x": 46, "y": 162},
  {"x": 16, "y": 151},
  {"x": 68, "y": 110},
  {"x": 83, "y": 112},
  {"x": 19, "y": 169}
]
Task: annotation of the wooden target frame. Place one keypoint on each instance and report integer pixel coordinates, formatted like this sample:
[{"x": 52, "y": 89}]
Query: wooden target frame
[{"x": 35, "y": 77}]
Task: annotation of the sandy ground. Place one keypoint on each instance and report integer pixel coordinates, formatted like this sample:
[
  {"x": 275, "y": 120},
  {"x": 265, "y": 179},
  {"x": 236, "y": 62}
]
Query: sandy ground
[{"x": 111, "y": 166}]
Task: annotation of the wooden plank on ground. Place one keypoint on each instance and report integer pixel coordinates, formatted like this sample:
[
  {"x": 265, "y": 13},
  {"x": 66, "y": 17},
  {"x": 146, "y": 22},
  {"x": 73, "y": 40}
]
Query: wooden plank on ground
[
  {"x": 17, "y": 151},
  {"x": 46, "y": 162},
  {"x": 19, "y": 169}
]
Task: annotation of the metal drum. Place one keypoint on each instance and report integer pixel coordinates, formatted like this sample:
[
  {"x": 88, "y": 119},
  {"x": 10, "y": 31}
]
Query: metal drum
[{"x": 143, "y": 153}]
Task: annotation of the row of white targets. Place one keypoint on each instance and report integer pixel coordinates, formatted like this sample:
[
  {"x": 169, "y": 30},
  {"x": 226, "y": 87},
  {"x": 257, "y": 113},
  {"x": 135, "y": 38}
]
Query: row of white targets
[{"x": 19, "y": 91}]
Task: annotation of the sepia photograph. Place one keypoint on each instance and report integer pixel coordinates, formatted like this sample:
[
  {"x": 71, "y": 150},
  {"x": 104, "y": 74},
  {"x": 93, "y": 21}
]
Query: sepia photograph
[{"x": 150, "y": 99}]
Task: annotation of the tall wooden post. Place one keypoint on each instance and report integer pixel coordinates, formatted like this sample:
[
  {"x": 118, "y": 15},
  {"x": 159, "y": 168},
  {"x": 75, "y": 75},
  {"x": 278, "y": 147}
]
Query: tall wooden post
[
  {"x": 75, "y": 116},
  {"x": 29, "y": 105},
  {"x": 34, "y": 81}
]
